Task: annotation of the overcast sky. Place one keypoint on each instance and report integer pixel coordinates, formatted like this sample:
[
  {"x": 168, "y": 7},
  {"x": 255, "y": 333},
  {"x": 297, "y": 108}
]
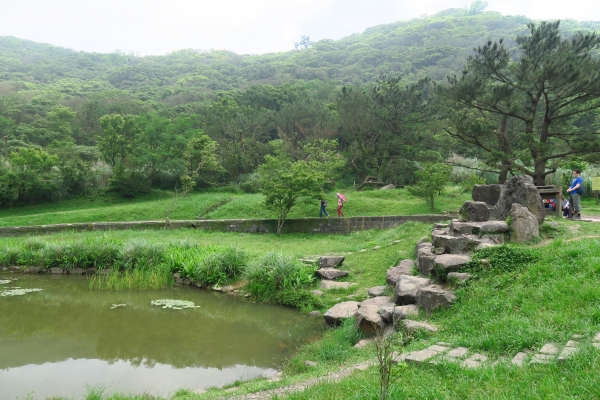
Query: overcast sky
[{"x": 242, "y": 26}]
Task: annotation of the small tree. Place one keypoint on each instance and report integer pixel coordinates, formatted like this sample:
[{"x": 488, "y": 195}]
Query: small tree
[
  {"x": 431, "y": 181},
  {"x": 284, "y": 180}
]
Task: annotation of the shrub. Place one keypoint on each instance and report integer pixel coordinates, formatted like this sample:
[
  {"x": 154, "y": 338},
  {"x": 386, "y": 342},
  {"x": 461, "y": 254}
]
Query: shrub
[
  {"x": 273, "y": 272},
  {"x": 503, "y": 258},
  {"x": 302, "y": 299}
]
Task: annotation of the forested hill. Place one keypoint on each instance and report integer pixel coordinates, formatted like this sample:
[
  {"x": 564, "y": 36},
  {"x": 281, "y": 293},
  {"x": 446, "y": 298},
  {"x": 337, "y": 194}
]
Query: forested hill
[{"x": 432, "y": 46}]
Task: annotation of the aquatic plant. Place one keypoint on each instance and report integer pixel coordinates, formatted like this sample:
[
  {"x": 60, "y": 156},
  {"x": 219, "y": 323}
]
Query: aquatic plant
[
  {"x": 4, "y": 282},
  {"x": 174, "y": 304},
  {"x": 17, "y": 292}
]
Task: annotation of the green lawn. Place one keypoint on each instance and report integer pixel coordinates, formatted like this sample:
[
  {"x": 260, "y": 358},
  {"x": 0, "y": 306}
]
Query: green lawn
[{"x": 217, "y": 205}]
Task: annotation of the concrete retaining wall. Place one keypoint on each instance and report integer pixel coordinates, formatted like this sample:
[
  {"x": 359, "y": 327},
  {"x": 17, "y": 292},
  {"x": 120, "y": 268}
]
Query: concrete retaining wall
[{"x": 299, "y": 225}]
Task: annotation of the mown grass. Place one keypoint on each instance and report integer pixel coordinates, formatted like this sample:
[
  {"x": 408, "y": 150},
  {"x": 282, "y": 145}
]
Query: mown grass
[{"x": 217, "y": 205}]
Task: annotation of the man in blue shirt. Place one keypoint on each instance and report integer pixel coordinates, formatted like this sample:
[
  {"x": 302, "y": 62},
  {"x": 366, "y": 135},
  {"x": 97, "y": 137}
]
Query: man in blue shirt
[{"x": 574, "y": 191}]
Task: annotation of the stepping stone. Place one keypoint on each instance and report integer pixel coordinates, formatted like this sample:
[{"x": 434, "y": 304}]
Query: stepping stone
[
  {"x": 362, "y": 343},
  {"x": 519, "y": 359},
  {"x": 420, "y": 356},
  {"x": 331, "y": 273},
  {"x": 444, "y": 344},
  {"x": 577, "y": 337},
  {"x": 596, "y": 345},
  {"x": 433, "y": 297},
  {"x": 438, "y": 348},
  {"x": 542, "y": 358},
  {"x": 376, "y": 291},
  {"x": 328, "y": 285},
  {"x": 572, "y": 343},
  {"x": 597, "y": 337},
  {"x": 368, "y": 319},
  {"x": 376, "y": 247},
  {"x": 330, "y": 261},
  {"x": 549, "y": 348},
  {"x": 567, "y": 353},
  {"x": 407, "y": 288},
  {"x": 474, "y": 361},
  {"x": 458, "y": 352},
  {"x": 440, "y": 226}
]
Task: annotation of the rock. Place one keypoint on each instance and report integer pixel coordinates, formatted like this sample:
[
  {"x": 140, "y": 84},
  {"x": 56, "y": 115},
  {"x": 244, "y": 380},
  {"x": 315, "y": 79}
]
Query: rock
[
  {"x": 15, "y": 268},
  {"x": 458, "y": 277},
  {"x": 247, "y": 295},
  {"x": 391, "y": 314},
  {"x": 474, "y": 211},
  {"x": 335, "y": 315},
  {"x": 369, "y": 320},
  {"x": 524, "y": 224},
  {"x": 330, "y": 261},
  {"x": 456, "y": 244},
  {"x": 549, "y": 348},
  {"x": 434, "y": 296},
  {"x": 541, "y": 358},
  {"x": 447, "y": 263},
  {"x": 440, "y": 226},
  {"x": 423, "y": 239},
  {"x": 199, "y": 285},
  {"x": 309, "y": 363},
  {"x": 413, "y": 326},
  {"x": 56, "y": 270},
  {"x": 388, "y": 187},
  {"x": 76, "y": 271},
  {"x": 521, "y": 190},
  {"x": 474, "y": 361},
  {"x": 317, "y": 292},
  {"x": 176, "y": 275},
  {"x": 379, "y": 301},
  {"x": 376, "y": 291},
  {"x": 519, "y": 359},
  {"x": 425, "y": 259},
  {"x": 477, "y": 228},
  {"x": 459, "y": 352},
  {"x": 188, "y": 281},
  {"x": 376, "y": 247},
  {"x": 364, "y": 342},
  {"x": 328, "y": 285},
  {"x": 33, "y": 270},
  {"x": 487, "y": 193},
  {"x": 404, "y": 267},
  {"x": 407, "y": 288},
  {"x": 331, "y": 273}
]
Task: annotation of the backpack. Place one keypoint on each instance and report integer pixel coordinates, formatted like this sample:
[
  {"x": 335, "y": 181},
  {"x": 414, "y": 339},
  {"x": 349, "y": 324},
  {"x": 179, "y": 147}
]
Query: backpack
[
  {"x": 580, "y": 190},
  {"x": 325, "y": 203}
]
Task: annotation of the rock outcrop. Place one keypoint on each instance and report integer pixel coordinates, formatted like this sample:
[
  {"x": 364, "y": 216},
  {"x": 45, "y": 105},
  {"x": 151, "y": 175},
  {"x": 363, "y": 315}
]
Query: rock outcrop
[
  {"x": 524, "y": 224},
  {"x": 520, "y": 190}
]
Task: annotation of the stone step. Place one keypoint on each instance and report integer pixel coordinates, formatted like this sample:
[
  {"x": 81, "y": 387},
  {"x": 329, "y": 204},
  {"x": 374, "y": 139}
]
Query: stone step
[
  {"x": 331, "y": 273},
  {"x": 329, "y": 285},
  {"x": 330, "y": 261}
]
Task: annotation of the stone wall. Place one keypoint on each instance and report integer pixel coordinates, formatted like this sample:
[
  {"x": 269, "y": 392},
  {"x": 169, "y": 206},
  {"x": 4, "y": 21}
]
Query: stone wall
[{"x": 298, "y": 225}]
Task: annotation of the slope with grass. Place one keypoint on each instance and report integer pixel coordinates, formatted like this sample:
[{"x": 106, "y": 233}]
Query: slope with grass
[{"x": 218, "y": 205}]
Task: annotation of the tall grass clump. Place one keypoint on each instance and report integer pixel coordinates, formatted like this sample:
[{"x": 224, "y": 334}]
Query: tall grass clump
[
  {"x": 222, "y": 266},
  {"x": 274, "y": 272},
  {"x": 505, "y": 258},
  {"x": 152, "y": 279}
]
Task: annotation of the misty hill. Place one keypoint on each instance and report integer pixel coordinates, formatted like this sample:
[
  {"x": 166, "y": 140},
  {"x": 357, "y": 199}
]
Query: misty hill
[{"x": 432, "y": 46}]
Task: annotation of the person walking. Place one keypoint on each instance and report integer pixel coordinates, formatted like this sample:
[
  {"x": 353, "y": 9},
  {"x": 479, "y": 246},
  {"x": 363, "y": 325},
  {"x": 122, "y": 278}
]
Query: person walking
[
  {"x": 575, "y": 191},
  {"x": 323, "y": 209},
  {"x": 341, "y": 200}
]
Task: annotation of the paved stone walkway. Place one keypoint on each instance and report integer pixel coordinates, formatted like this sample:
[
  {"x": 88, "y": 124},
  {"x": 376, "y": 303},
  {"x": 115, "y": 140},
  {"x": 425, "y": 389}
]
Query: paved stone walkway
[{"x": 440, "y": 352}]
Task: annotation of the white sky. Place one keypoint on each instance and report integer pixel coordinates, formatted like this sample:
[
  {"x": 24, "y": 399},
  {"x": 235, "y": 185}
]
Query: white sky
[{"x": 242, "y": 26}]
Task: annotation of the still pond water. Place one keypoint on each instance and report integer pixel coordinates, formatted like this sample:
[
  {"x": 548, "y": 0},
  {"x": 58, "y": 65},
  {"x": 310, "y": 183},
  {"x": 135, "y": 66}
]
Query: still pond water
[{"x": 59, "y": 340}]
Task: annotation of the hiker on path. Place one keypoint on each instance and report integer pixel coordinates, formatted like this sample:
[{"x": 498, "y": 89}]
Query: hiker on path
[
  {"x": 341, "y": 200},
  {"x": 323, "y": 209},
  {"x": 575, "y": 191}
]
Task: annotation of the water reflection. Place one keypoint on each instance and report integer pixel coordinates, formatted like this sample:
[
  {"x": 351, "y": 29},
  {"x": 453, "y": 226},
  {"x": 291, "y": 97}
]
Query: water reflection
[{"x": 65, "y": 337}]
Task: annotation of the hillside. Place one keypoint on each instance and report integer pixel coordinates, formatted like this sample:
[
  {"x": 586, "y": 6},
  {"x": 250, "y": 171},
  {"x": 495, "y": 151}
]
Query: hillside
[{"x": 432, "y": 46}]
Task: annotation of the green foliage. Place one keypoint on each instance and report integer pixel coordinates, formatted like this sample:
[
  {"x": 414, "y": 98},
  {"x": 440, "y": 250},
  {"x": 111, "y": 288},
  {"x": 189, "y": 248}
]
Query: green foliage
[
  {"x": 431, "y": 182},
  {"x": 221, "y": 267},
  {"x": 298, "y": 298},
  {"x": 273, "y": 272},
  {"x": 502, "y": 259},
  {"x": 32, "y": 174},
  {"x": 284, "y": 181},
  {"x": 472, "y": 180}
]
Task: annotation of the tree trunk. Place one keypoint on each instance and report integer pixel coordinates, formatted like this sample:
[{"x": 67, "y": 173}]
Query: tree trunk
[{"x": 539, "y": 173}]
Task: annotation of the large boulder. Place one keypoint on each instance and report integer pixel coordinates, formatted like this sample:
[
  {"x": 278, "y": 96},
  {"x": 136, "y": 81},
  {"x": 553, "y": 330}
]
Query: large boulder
[
  {"x": 407, "y": 288},
  {"x": 379, "y": 301},
  {"x": 434, "y": 296},
  {"x": 331, "y": 273},
  {"x": 489, "y": 194},
  {"x": 477, "y": 211},
  {"x": 456, "y": 244},
  {"x": 404, "y": 267},
  {"x": 446, "y": 263},
  {"x": 520, "y": 190},
  {"x": 376, "y": 291},
  {"x": 425, "y": 258},
  {"x": 523, "y": 223},
  {"x": 396, "y": 313},
  {"x": 335, "y": 315},
  {"x": 369, "y": 320},
  {"x": 330, "y": 261}
]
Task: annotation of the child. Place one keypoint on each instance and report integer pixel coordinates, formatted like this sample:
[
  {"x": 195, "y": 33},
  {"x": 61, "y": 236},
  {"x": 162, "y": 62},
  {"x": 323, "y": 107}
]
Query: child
[{"x": 323, "y": 209}]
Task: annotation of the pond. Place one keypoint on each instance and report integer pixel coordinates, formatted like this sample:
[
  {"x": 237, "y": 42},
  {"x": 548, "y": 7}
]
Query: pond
[{"x": 64, "y": 338}]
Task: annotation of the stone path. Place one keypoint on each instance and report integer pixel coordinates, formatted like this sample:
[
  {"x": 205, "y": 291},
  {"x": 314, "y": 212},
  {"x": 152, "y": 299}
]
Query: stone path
[{"x": 435, "y": 354}]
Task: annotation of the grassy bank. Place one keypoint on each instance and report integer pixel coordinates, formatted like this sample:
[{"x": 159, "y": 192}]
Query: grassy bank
[{"x": 216, "y": 205}]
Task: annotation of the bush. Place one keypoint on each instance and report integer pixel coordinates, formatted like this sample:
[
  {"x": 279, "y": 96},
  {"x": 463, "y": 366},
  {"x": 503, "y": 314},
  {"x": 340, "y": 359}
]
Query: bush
[
  {"x": 503, "y": 258},
  {"x": 273, "y": 272},
  {"x": 302, "y": 299}
]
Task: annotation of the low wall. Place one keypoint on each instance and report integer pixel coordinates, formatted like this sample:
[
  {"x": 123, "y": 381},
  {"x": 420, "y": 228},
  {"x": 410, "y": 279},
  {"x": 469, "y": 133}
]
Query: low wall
[{"x": 297, "y": 225}]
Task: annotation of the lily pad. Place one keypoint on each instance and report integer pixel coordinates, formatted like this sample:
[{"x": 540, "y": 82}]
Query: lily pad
[
  {"x": 173, "y": 304},
  {"x": 17, "y": 292}
]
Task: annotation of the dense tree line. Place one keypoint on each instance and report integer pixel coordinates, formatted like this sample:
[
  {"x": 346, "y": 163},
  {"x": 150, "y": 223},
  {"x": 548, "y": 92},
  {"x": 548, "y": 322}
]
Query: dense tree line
[{"x": 74, "y": 123}]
